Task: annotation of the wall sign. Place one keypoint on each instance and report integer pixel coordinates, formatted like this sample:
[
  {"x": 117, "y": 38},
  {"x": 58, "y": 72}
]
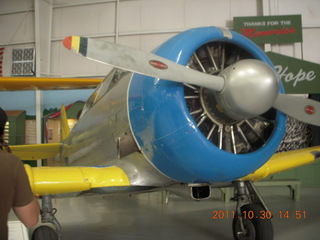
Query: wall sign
[
  {"x": 297, "y": 76},
  {"x": 270, "y": 29}
]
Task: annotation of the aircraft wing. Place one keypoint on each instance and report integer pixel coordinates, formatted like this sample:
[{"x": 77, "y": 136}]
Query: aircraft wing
[
  {"x": 41, "y": 83},
  {"x": 283, "y": 161},
  {"x": 59, "y": 180}
]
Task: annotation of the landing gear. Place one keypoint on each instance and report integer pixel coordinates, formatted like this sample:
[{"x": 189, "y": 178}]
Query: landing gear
[
  {"x": 44, "y": 232},
  {"x": 47, "y": 216},
  {"x": 252, "y": 220}
]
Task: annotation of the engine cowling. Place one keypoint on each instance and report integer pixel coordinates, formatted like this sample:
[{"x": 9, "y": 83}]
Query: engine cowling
[{"x": 181, "y": 129}]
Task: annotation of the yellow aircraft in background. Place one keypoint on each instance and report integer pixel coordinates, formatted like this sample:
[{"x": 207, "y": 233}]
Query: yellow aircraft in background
[{"x": 205, "y": 109}]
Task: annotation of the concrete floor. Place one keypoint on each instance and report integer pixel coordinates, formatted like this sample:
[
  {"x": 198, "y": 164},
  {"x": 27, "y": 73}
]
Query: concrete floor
[{"x": 143, "y": 216}]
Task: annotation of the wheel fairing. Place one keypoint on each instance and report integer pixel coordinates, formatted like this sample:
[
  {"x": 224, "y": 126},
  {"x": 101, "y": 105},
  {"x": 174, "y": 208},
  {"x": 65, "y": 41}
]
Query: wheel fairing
[{"x": 165, "y": 130}]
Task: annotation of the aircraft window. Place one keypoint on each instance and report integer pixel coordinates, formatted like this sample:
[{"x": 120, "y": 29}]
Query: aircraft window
[
  {"x": 108, "y": 83},
  {"x": 119, "y": 74}
]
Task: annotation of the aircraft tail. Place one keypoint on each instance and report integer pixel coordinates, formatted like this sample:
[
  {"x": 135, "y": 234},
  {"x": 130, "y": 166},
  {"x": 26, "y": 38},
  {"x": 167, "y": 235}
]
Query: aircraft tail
[
  {"x": 36, "y": 151},
  {"x": 44, "y": 150},
  {"x": 64, "y": 127}
]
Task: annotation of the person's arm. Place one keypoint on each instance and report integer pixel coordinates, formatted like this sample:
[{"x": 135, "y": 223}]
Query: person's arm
[
  {"x": 28, "y": 214},
  {"x": 25, "y": 205}
]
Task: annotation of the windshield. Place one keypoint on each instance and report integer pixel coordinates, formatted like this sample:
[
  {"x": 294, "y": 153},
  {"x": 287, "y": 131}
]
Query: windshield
[{"x": 105, "y": 86}]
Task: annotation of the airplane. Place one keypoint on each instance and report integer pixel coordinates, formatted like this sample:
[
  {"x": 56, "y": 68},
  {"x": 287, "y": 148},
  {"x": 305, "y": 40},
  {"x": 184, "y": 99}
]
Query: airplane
[{"x": 204, "y": 110}]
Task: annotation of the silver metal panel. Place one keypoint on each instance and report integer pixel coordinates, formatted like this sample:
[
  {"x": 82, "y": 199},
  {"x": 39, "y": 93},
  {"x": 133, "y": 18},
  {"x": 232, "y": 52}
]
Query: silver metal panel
[{"x": 106, "y": 117}]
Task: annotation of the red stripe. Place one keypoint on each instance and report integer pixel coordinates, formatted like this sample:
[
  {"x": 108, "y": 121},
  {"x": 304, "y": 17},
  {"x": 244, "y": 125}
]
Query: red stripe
[{"x": 57, "y": 114}]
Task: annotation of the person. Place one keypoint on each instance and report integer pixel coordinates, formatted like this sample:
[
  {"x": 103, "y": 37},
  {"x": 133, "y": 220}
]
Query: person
[{"x": 15, "y": 190}]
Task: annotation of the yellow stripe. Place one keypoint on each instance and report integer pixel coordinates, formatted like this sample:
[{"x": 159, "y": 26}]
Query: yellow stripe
[
  {"x": 75, "y": 45},
  {"x": 56, "y": 180}
]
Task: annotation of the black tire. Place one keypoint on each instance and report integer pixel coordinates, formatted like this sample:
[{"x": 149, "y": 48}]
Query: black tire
[
  {"x": 258, "y": 219},
  {"x": 45, "y": 233},
  {"x": 248, "y": 226}
]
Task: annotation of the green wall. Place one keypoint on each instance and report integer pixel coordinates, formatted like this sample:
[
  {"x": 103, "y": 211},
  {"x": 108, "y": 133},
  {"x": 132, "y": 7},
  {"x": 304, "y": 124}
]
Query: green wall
[{"x": 17, "y": 129}]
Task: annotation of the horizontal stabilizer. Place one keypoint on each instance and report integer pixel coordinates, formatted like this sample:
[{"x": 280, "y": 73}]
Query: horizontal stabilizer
[
  {"x": 58, "y": 180},
  {"x": 36, "y": 151},
  {"x": 43, "y": 83},
  {"x": 284, "y": 161}
]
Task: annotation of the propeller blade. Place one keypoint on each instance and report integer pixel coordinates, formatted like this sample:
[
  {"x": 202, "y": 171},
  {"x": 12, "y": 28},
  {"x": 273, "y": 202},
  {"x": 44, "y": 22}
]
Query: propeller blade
[
  {"x": 140, "y": 62},
  {"x": 305, "y": 110}
]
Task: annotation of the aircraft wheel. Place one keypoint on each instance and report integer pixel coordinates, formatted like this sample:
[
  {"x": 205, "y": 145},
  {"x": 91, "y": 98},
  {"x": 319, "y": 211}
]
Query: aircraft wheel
[
  {"x": 256, "y": 222},
  {"x": 45, "y": 232},
  {"x": 249, "y": 228}
]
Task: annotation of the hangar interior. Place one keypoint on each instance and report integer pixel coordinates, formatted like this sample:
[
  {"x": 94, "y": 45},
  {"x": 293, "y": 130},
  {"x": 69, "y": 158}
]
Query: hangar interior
[{"x": 40, "y": 26}]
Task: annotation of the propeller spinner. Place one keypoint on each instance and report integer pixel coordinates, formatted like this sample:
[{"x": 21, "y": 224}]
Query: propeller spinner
[{"x": 251, "y": 88}]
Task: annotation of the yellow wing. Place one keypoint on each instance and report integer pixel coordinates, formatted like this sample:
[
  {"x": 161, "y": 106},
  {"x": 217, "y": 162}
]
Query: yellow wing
[
  {"x": 58, "y": 180},
  {"x": 33, "y": 83},
  {"x": 284, "y": 161}
]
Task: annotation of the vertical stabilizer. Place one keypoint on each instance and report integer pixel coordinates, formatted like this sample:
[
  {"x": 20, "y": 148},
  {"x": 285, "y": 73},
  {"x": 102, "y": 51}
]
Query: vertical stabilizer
[{"x": 64, "y": 127}]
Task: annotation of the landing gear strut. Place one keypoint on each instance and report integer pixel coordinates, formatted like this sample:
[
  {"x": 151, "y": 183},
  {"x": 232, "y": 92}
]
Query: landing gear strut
[
  {"x": 252, "y": 220},
  {"x": 47, "y": 216}
]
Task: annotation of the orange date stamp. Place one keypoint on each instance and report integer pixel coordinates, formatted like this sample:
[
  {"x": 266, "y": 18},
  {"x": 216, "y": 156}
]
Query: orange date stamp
[{"x": 223, "y": 214}]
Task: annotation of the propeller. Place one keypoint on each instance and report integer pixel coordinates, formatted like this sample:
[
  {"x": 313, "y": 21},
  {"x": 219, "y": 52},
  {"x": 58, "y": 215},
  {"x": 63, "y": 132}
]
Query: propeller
[{"x": 245, "y": 89}]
